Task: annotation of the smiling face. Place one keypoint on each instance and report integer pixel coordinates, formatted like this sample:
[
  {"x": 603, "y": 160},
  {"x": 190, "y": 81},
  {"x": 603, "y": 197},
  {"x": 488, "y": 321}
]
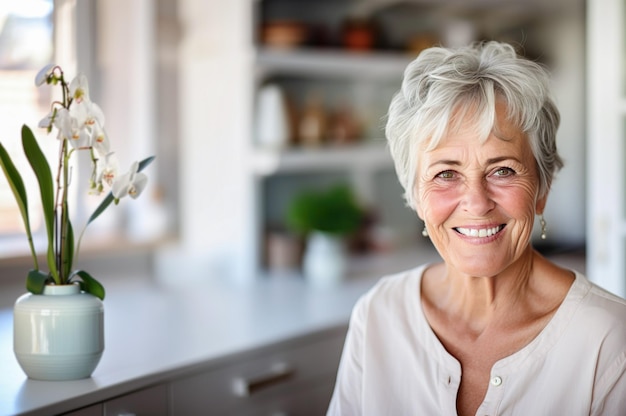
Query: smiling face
[{"x": 479, "y": 199}]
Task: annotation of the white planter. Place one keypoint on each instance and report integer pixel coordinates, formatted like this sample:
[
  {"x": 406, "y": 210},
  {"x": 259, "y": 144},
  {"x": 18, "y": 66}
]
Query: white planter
[
  {"x": 58, "y": 335},
  {"x": 324, "y": 262},
  {"x": 272, "y": 119}
]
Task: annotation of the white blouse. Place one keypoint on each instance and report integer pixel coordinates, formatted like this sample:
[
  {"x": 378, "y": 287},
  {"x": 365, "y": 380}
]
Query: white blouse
[{"x": 393, "y": 363}]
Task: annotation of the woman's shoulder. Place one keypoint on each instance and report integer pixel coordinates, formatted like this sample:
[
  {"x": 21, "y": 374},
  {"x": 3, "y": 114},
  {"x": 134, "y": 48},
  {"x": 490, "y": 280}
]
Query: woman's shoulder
[
  {"x": 600, "y": 313},
  {"x": 397, "y": 282},
  {"x": 598, "y": 332},
  {"x": 394, "y": 289},
  {"x": 597, "y": 299}
]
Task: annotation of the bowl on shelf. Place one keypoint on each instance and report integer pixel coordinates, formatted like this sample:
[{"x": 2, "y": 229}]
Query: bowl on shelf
[
  {"x": 284, "y": 34},
  {"x": 359, "y": 34}
]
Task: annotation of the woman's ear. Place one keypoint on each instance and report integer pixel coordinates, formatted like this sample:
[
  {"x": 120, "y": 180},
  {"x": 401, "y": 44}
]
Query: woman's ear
[
  {"x": 540, "y": 205},
  {"x": 418, "y": 210}
]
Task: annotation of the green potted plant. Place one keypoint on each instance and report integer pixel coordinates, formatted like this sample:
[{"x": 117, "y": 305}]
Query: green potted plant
[
  {"x": 325, "y": 217},
  {"x": 58, "y": 326}
]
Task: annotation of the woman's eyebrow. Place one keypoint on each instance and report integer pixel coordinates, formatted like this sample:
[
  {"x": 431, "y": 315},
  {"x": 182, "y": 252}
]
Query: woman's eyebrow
[
  {"x": 445, "y": 162},
  {"x": 491, "y": 161},
  {"x": 502, "y": 159}
]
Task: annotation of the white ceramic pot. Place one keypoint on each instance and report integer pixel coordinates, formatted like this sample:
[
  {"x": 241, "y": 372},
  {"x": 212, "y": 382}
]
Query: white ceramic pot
[
  {"x": 272, "y": 119},
  {"x": 324, "y": 262},
  {"x": 58, "y": 335}
]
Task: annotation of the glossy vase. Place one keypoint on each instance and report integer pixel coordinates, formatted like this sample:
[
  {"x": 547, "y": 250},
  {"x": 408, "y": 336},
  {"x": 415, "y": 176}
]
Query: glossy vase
[
  {"x": 324, "y": 261},
  {"x": 58, "y": 335},
  {"x": 272, "y": 118}
]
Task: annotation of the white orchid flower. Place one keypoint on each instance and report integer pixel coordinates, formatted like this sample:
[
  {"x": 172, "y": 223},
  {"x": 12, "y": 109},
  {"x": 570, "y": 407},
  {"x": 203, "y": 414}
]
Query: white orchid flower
[
  {"x": 107, "y": 170},
  {"x": 47, "y": 121},
  {"x": 85, "y": 113},
  {"x": 43, "y": 74},
  {"x": 79, "y": 88},
  {"x": 131, "y": 183},
  {"x": 63, "y": 122},
  {"x": 94, "y": 114},
  {"x": 70, "y": 128},
  {"x": 90, "y": 120},
  {"x": 100, "y": 140}
]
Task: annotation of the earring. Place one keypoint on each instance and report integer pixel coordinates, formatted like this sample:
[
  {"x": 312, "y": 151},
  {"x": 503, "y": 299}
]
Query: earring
[
  {"x": 424, "y": 232},
  {"x": 542, "y": 221}
]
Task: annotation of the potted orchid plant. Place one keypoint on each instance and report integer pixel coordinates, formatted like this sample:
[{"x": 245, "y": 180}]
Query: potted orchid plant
[{"x": 79, "y": 124}]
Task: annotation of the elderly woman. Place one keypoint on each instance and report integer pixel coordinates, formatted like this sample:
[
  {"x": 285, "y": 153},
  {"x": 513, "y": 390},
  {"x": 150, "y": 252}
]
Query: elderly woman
[{"x": 495, "y": 329}]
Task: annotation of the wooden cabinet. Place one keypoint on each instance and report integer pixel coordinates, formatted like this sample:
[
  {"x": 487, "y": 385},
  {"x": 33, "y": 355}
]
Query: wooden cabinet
[
  {"x": 152, "y": 401},
  {"x": 94, "y": 410},
  {"x": 295, "y": 378}
]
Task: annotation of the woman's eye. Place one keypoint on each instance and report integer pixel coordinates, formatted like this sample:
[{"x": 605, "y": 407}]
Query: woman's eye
[
  {"x": 446, "y": 174},
  {"x": 503, "y": 172}
]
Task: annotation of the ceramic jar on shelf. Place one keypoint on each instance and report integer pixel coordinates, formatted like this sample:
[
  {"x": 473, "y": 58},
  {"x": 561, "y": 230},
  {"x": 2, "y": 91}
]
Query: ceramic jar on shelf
[{"x": 324, "y": 262}]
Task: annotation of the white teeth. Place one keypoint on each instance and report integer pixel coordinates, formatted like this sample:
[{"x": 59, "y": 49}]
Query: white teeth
[{"x": 483, "y": 232}]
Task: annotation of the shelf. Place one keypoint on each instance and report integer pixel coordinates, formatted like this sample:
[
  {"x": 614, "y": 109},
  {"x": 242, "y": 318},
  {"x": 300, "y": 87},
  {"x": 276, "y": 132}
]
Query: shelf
[
  {"x": 268, "y": 162},
  {"x": 332, "y": 63}
]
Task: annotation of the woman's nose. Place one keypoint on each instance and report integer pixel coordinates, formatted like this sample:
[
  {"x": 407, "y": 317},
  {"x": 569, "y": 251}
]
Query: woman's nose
[{"x": 477, "y": 198}]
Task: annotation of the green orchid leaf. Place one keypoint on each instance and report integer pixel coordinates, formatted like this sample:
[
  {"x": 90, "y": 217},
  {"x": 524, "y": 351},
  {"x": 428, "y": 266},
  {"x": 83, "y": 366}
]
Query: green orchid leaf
[
  {"x": 36, "y": 281},
  {"x": 144, "y": 163},
  {"x": 19, "y": 191},
  {"x": 89, "y": 284},
  {"x": 103, "y": 206},
  {"x": 110, "y": 198},
  {"x": 40, "y": 166},
  {"x": 68, "y": 246},
  {"x": 42, "y": 171}
]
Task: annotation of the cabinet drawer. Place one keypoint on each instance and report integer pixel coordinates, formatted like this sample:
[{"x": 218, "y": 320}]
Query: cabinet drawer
[
  {"x": 312, "y": 400},
  {"x": 95, "y": 410},
  {"x": 292, "y": 375},
  {"x": 149, "y": 402}
]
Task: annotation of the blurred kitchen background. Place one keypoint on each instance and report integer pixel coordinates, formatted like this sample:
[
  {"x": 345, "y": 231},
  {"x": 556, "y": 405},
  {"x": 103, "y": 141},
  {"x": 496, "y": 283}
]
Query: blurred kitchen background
[{"x": 248, "y": 103}]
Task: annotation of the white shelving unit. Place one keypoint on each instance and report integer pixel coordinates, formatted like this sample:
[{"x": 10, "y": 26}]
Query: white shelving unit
[
  {"x": 332, "y": 63},
  {"x": 372, "y": 156},
  {"x": 355, "y": 78},
  {"x": 373, "y": 76},
  {"x": 223, "y": 176}
]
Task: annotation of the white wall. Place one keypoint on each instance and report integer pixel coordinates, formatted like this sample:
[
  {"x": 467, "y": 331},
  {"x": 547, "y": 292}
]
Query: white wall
[
  {"x": 215, "y": 79},
  {"x": 565, "y": 212}
]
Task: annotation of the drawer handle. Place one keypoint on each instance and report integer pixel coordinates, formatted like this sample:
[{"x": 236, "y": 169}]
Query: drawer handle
[{"x": 279, "y": 372}]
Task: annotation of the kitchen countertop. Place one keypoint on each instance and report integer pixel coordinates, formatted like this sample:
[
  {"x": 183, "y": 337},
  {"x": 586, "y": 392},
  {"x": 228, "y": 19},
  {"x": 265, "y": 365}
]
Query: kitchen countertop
[{"x": 154, "y": 333}]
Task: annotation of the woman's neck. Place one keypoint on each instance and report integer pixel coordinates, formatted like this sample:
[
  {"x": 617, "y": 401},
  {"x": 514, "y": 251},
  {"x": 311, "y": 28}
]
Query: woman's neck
[{"x": 479, "y": 302}]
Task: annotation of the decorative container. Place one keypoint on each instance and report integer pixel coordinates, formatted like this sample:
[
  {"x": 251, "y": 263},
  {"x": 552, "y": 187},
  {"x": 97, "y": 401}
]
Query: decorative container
[
  {"x": 272, "y": 119},
  {"x": 324, "y": 262},
  {"x": 58, "y": 335},
  {"x": 284, "y": 34}
]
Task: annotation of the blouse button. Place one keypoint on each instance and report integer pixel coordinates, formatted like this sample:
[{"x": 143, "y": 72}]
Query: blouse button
[{"x": 496, "y": 381}]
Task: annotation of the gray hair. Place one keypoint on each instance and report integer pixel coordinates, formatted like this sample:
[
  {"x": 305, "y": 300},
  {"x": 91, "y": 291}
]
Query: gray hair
[{"x": 441, "y": 82}]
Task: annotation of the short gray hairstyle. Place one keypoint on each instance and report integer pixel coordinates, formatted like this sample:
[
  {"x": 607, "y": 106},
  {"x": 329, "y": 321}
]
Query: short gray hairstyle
[{"x": 440, "y": 82}]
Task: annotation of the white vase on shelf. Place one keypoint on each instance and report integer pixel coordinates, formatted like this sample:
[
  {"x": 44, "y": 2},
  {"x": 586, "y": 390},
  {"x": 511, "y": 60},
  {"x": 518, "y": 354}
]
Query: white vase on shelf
[
  {"x": 58, "y": 335},
  {"x": 324, "y": 261},
  {"x": 272, "y": 119}
]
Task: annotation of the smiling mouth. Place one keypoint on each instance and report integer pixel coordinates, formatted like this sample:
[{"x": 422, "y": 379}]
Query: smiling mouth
[{"x": 479, "y": 232}]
